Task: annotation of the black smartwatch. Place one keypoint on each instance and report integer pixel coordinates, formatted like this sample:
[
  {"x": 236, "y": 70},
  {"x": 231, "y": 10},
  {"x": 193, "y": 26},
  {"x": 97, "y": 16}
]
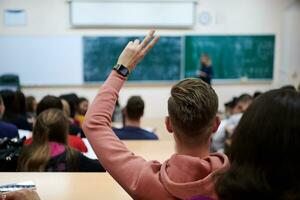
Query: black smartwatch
[{"x": 121, "y": 69}]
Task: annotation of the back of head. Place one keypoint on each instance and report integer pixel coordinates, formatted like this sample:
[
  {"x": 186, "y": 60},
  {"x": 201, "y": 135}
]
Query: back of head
[
  {"x": 47, "y": 102},
  {"x": 73, "y": 101},
  {"x": 30, "y": 104},
  {"x": 243, "y": 102},
  {"x": 20, "y": 103},
  {"x": 265, "y": 150},
  {"x": 135, "y": 108},
  {"x": 8, "y": 98},
  {"x": 192, "y": 107},
  {"x": 51, "y": 126},
  {"x": 288, "y": 87}
]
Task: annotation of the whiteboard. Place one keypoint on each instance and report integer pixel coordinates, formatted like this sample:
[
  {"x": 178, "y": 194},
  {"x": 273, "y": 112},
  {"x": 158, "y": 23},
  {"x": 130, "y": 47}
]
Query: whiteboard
[
  {"x": 42, "y": 60},
  {"x": 177, "y": 14}
]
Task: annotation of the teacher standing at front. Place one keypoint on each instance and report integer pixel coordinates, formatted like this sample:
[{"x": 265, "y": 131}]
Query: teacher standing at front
[{"x": 206, "y": 71}]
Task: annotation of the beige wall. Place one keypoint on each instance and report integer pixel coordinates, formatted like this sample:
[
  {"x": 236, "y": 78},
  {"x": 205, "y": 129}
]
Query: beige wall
[{"x": 51, "y": 18}]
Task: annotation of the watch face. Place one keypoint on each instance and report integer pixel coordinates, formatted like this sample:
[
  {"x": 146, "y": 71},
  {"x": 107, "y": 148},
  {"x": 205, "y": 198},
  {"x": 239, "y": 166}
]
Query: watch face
[{"x": 123, "y": 70}]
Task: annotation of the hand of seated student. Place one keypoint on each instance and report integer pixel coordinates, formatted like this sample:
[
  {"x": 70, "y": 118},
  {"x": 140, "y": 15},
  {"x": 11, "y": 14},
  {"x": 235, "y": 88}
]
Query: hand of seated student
[
  {"x": 21, "y": 195},
  {"x": 135, "y": 51}
]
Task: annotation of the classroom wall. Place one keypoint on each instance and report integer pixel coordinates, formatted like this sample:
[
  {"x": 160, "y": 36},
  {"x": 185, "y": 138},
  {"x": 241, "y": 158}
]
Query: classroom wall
[
  {"x": 290, "y": 59},
  {"x": 51, "y": 18}
]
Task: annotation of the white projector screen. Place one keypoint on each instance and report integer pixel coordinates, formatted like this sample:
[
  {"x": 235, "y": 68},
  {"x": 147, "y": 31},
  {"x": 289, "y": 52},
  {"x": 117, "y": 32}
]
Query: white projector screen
[{"x": 168, "y": 14}]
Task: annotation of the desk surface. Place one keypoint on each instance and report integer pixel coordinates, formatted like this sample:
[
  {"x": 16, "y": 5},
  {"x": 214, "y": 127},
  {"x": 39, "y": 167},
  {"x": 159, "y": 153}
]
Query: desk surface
[
  {"x": 150, "y": 150},
  {"x": 70, "y": 186},
  {"x": 79, "y": 186}
]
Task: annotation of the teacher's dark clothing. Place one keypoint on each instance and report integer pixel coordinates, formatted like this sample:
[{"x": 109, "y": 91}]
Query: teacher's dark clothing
[{"x": 209, "y": 74}]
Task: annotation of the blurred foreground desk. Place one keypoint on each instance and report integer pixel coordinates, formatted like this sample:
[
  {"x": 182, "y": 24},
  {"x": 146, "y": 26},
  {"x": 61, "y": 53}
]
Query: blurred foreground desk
[
  {"x": 89, "y": 186},
  {"x": 70, "y": 186}
]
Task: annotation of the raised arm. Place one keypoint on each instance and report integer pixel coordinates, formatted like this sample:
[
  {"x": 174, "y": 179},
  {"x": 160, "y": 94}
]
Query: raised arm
[{"x": 122, "y": 164}]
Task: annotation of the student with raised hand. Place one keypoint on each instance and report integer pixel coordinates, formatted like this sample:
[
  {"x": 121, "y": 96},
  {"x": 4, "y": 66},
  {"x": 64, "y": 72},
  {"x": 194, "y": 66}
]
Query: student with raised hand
[
  {"x": 265, "y": 159},
  {"x": 133, "y": 112},
  {"x": 49, "y": 150},
  {"x": 192, "y": 120}
]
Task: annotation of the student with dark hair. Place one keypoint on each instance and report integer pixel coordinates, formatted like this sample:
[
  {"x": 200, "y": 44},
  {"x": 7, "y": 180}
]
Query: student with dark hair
[
  {"x": 54, "y": 102},
  {"x": 6, "y": 129},
  {"x": 14, "y": 103},
  {"x": 49, "y": 150},
  {"x": 230, "y": 107},
  {"x": 257, "y": 94},
  {"x": 82, "y": 108},
  {"x": 192, "y": 119},
  {"x": 265, "y": 150},
  {"x": 288, "y": 87},
  {"x": 133, "y": 113},
  {"x": 73, "y": 101},
  {"x": 31, "y": 105},
  {"x": 242, "y": 104}
]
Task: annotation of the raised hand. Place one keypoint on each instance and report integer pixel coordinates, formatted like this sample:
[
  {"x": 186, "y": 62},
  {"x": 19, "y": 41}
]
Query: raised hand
[{"x": 135, "y": 50}]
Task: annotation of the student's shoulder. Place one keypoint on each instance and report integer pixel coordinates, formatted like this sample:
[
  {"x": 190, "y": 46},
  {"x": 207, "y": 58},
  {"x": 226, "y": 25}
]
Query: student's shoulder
[
  {"x": 149, "y": 134},
  {"x": 8, "y": 127}
]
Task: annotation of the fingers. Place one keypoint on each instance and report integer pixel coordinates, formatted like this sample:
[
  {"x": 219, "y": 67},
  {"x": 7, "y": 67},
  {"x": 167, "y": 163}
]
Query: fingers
[
  {"x": 147, "y": 39},
  {"x": 150, "y": 45},
  {"x": 129, "y": 44},
  {"x": 136, "y": 43}
]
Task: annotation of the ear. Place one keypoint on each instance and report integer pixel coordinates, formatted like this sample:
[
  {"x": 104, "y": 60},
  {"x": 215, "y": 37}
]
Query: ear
[
  {"x": 216, "y": 124},
  {"x": 168, "y": 124}
]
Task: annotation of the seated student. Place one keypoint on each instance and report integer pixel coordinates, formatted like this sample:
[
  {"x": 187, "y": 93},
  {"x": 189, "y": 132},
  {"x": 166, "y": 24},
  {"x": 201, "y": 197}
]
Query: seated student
[
  {"x": 70, "y": 102},
  {"x": 15, "y": 109},
  {"x": 242, "y": 104},
  {"x": 49, "y": 150},
  {"x": 6, "y": 129},
  {"x": 73, "y": 102},
  {"x": 31, "y": 105},
  {"x": 265, "y": 159},
  {"x": 118, "y": 115},
  {"x": 54, "y": 102},
  {"x": 83, "y": 105},
  {"x": 132, "y": 130},
  {"x": 192, "y": 119}
]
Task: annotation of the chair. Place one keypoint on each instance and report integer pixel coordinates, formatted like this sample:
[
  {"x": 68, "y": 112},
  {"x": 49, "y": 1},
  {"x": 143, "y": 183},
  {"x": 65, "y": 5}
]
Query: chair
[{"x": 10, "y": 82}]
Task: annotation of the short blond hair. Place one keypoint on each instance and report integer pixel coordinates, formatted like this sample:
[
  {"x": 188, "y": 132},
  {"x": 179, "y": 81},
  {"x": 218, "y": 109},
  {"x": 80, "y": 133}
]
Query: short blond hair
[{"x": 192, "y": 106}]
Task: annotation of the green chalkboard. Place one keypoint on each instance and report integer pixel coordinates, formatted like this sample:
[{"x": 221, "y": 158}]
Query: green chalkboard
[
  {"x": 233, "y": 57},
  {"x": 163, "y": 63}
]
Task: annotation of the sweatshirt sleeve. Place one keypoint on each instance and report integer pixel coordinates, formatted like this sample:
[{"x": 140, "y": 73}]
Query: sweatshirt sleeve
[{"x": 122, "y": 164}]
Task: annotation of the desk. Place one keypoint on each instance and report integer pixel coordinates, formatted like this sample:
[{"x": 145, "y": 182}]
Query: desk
[
  {"x": 150, "y": 150},
  {"x": 70, "y": 186},
  {"x": 89, "y": 186}
]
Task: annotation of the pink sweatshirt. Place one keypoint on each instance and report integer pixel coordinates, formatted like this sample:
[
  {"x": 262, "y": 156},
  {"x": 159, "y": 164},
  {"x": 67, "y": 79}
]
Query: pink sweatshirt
[{"x": 180, "y": 177}]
